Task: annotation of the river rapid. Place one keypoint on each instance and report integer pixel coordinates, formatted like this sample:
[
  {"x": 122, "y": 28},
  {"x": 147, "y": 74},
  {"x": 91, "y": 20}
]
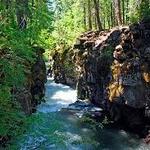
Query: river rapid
[{"x": 53, "y": 129}]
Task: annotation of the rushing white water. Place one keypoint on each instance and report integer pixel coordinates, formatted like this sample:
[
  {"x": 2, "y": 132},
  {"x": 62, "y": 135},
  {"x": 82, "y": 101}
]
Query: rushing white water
[
  {"x": 57, "y": 96},
  {"x": 52, "y": 129}
]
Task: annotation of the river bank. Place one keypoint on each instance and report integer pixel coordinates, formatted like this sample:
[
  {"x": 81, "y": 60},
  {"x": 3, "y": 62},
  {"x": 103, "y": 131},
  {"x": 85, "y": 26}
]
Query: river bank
[
  {"x": 53, "y": 129},
  {"x": 111, "y": 71}
]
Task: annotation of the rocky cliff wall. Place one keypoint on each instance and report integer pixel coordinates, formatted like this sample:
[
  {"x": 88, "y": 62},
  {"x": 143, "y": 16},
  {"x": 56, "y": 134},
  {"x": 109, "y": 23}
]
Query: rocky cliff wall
[
  {"x": 93, "y": 57},
  {"x": 32, "y": 93},
  {"x": 64, "y": 68},
  {"x": 114, "y": 72}
]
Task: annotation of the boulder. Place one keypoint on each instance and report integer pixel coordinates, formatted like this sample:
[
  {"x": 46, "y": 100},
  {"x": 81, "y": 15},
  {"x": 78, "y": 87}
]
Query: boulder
[{"x": 80, "y": 108}]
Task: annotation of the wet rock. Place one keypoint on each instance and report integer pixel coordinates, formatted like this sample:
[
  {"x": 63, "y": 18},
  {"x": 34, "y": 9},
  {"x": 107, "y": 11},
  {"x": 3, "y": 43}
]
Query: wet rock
[
  {"x": 63, "y": 68},
  {"x": 24, "y": 96},
  {"x": 85, "y": 107},
  {"x": 114, "y": 66},
  {"x": 130, "y": 81},
  {"x": 38, "y": 77},
  {"x": 32, "y": 92},
  {"x": 129, "y": 117},
  {"x": 147, "y": 139},
  {"x": 92, "y": 64},
  {"x": 3, "y": 141},
  {"x": 80, "y": 104}
]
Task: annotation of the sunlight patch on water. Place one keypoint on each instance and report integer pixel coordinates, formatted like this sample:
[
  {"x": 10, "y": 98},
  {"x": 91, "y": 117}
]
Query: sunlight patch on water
[
  {"x": 65, "y": 97},
  {"x": 57, "y": 96},
  {"x": 54, "y": 130},
  {"x": 59, "y": 85}
]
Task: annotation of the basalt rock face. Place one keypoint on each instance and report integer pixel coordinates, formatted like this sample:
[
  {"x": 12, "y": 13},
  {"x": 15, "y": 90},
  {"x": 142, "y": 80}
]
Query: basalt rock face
[
  {"x": 93, "y": 58},
  {"x": 38, "y": 72},
  {"x": 114, "y": 72},
  {"x": 58, "y": 69},
  {"x": 130, "y": 84},
  {"x": 63, "y": 68},
  {"x": 31, "y": 94}
]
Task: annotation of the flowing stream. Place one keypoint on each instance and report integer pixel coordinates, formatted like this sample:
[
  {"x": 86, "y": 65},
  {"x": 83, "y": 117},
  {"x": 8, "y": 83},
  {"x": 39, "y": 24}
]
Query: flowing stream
[{"x": 52, "y": 129}]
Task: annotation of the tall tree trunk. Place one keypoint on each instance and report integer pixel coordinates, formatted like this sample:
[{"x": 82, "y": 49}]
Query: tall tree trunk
[
  {"x": 104, "y": 19},
  {"x": 8, "y": 3},
  {"x": 117, "y": 9},
  {"x": 108, "y": 21},
  {"x": 112, "y": 16},
  {"x": 127, "y": 11},
  {"x": 96, "y": 5},
  {"x": 95, "y": 22},
  {"x": 84, "y": 13},
  {"x": 123, "y": 11},
  {"x": 21, "y": 12},
  {"x": 32, "y": 3},
  {"x": 89, "y": 15}
]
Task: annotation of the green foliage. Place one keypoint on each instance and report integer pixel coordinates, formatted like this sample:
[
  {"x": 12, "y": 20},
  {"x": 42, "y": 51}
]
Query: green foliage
[
  {"x": 106, "y": 13},
  {"x": 54, "y": 30},
  {"x": 144, "y": 10},
  {"x": 67, "y": 26},
  {"x": 17, "y": 57},
  {"x": 139, "y": 10},
  {"x": 69, "y": 67},
  {"x": 93, "y": 124},
  {"x": 11, "y": 118}
]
